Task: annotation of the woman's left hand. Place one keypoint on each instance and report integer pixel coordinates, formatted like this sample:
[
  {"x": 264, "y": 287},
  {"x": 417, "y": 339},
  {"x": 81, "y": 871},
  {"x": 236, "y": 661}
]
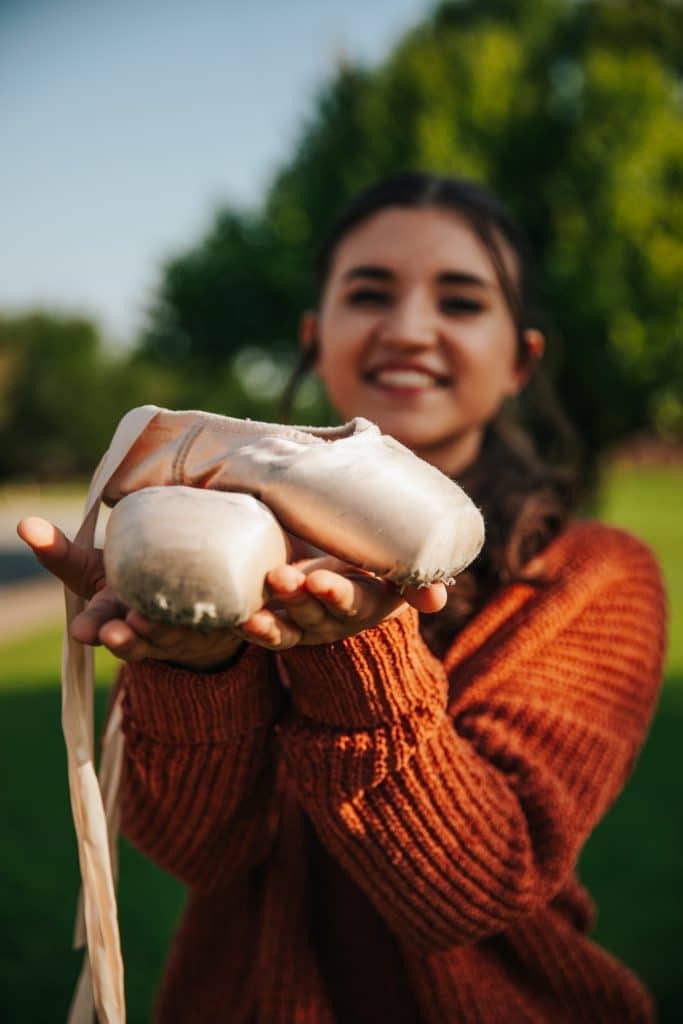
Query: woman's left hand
[{"x": 321, "y": 600}]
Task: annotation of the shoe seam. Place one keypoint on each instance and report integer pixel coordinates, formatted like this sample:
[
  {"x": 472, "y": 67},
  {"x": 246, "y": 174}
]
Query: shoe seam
[{"x": 180, "y": 457}]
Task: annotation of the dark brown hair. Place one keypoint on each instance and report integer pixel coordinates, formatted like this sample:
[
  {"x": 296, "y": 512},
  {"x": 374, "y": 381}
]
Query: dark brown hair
[{"x": 524, "y": 479}]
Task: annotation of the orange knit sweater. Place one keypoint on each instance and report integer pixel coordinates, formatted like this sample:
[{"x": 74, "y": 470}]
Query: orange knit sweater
[{"x": 388, "y": 837}]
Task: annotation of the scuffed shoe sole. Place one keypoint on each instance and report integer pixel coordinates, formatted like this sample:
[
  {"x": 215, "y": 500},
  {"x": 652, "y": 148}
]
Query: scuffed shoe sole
[{"x": 192, "y": 557}]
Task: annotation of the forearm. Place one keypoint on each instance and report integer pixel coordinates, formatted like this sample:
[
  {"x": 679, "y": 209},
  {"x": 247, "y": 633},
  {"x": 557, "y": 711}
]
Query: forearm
[
  {"x": 368, "y": 715},
  {"x": 198, "y": 768},
  {"x": 442, "y": 846},
  {"x": 456, "y": 828}
]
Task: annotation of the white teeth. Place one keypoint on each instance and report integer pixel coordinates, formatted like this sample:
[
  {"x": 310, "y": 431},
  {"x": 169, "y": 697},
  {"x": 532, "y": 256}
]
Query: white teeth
[{"x": 404, "y": 378}]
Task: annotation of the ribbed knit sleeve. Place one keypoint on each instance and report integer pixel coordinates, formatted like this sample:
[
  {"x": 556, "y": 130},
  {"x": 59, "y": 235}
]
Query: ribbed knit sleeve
[
  {"x": 198, "y": 771},
  {"x": 459, "y": 820}
]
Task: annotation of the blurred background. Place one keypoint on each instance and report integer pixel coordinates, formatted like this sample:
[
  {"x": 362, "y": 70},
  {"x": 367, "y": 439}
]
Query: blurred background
[{"x": 166, "y": 174}]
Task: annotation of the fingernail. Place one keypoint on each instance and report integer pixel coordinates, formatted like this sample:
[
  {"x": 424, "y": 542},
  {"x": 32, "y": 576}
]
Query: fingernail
[
  {"x": 292, "y": 579},
  {"x": 138, "y": 622},
  {"x": 114, "y": 638},
  {"x": 43, "y": 532}
]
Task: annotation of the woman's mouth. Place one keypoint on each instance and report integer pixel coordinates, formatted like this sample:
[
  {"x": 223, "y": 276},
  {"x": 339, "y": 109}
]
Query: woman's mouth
[{"x": 405, "y": 379}]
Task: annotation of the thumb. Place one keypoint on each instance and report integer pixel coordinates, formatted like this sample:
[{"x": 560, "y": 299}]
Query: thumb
[
  {"x": 426, "y": 599},
  {"x": 82, "y": 571}
]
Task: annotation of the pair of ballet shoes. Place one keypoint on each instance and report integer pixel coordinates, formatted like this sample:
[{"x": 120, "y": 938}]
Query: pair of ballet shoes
[{"x": 201, "y": 503}]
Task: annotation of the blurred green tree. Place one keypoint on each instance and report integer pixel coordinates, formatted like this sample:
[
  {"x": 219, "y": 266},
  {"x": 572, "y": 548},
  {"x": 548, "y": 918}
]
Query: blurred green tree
[
  {"x": 570, "y": 111},
  {"x": 60, "y": 393}
]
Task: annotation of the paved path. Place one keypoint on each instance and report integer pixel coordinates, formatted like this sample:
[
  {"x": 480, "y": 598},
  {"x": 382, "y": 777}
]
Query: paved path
[
  {"x": 29, "y": 605},
  {"x": 29, "y": 597}
]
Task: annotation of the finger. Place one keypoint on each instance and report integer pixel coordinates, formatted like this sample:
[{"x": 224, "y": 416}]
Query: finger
[
  {"x": 124, "y": 643},
  {"x": 287, "y": 586},
  {"x": 284, "y": 581},
  {"x": 186, "y": 644},
  {"x": 265, "y": 629},
  {"x": 140, "y": 623},
  {"x": 103, "y": 607},
  {"x": 346, "y": 597},
  {"x": 80, "y": 570},
  {"x": 159, "y": 634},
  {"x": 426, "y": 599}
]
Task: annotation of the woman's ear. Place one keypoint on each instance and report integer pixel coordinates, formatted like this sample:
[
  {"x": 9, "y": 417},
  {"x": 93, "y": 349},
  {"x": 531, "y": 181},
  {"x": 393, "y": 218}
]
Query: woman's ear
[
  {"x": 530, "y": 357},
  {"x": 308, "y": 331}
]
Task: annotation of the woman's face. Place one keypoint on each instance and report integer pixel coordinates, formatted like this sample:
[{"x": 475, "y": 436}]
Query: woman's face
[{"x": 415, "y": 334}]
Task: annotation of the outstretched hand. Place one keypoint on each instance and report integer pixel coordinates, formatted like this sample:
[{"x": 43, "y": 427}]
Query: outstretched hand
[
  {"x": 106, "y": 621},
  {"x": 314, "y": 601},
  {"x": 321, "y": 600}
]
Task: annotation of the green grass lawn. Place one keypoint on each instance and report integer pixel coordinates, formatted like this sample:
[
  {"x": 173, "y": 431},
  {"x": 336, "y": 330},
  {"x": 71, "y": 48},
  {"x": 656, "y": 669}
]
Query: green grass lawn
[
  {"x": 632, "y": 864},
  {"x": 38, "y": 862}
]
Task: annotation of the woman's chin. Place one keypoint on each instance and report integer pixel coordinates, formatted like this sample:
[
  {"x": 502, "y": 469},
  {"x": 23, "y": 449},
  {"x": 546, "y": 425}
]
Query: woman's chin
[
  {"x": 412, "y": 431},
  {"x": 421, "y": 430},
  {"x": 413, "y": 435}
]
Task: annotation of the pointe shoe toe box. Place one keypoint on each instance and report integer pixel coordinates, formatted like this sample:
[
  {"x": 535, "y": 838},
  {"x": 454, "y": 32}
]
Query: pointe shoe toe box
[
  {"x": 190, "y": 557},
  {"x": 376, "y": 505}
]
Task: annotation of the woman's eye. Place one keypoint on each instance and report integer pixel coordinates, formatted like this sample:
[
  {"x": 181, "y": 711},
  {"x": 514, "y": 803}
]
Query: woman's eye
[
  {"x": 369, "y": 297},
  {"x": 455, "y": 305}
]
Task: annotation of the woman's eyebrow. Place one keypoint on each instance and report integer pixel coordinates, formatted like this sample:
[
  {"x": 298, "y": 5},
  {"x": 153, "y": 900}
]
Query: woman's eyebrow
[
  {"x": 377, "y": 273},
  {"x": 462, "y": 277}
]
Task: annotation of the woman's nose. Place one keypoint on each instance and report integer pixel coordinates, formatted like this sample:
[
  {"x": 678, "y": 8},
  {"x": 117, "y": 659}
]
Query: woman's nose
[{"x": 410, "y": 322}]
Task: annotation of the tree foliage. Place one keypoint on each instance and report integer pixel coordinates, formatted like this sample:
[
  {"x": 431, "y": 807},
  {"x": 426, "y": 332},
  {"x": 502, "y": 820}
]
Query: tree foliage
[
  {"x": 60, "y": 394},
  {"x": 570, "y": 111}
]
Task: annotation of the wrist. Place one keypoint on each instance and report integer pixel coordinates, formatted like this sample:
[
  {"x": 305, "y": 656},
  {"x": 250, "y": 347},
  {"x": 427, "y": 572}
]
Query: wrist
[
  {"x": 212, "y": 665},
  {"x": 184, "y": 705},
  {"x": 378, "y": 676}
]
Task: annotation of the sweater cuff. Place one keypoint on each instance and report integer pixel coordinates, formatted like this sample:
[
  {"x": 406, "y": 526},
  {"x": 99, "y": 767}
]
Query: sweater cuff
[
  {"x": 377, "y": 676},
  {"x": 170, "y": 704}
]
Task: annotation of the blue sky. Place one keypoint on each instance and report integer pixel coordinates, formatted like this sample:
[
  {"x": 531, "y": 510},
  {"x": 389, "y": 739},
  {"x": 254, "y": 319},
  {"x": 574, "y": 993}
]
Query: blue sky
[{"x": 126, "y": 123}]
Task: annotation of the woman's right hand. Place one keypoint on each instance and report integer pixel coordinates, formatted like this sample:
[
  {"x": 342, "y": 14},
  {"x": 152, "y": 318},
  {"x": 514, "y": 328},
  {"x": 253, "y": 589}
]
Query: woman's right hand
[{"x": 127, "y": 634}]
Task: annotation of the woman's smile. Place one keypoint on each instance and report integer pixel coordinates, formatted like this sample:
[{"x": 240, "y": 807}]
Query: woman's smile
[{"x": 406, "y": 379}]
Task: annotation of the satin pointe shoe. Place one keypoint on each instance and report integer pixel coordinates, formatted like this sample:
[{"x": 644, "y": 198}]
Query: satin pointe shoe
[
  {"x": 192, "y": 557},
  {"x": 349, "y": 491}
]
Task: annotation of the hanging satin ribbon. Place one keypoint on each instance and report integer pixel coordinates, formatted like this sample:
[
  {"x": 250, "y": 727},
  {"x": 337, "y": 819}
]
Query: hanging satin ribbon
[{"x": 93, "y": 800}]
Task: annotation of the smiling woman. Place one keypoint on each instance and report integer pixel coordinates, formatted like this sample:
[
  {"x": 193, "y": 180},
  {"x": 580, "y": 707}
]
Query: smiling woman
[
  {"x": 429, "y": 276},
  {"x": 378, "y": 811}
]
